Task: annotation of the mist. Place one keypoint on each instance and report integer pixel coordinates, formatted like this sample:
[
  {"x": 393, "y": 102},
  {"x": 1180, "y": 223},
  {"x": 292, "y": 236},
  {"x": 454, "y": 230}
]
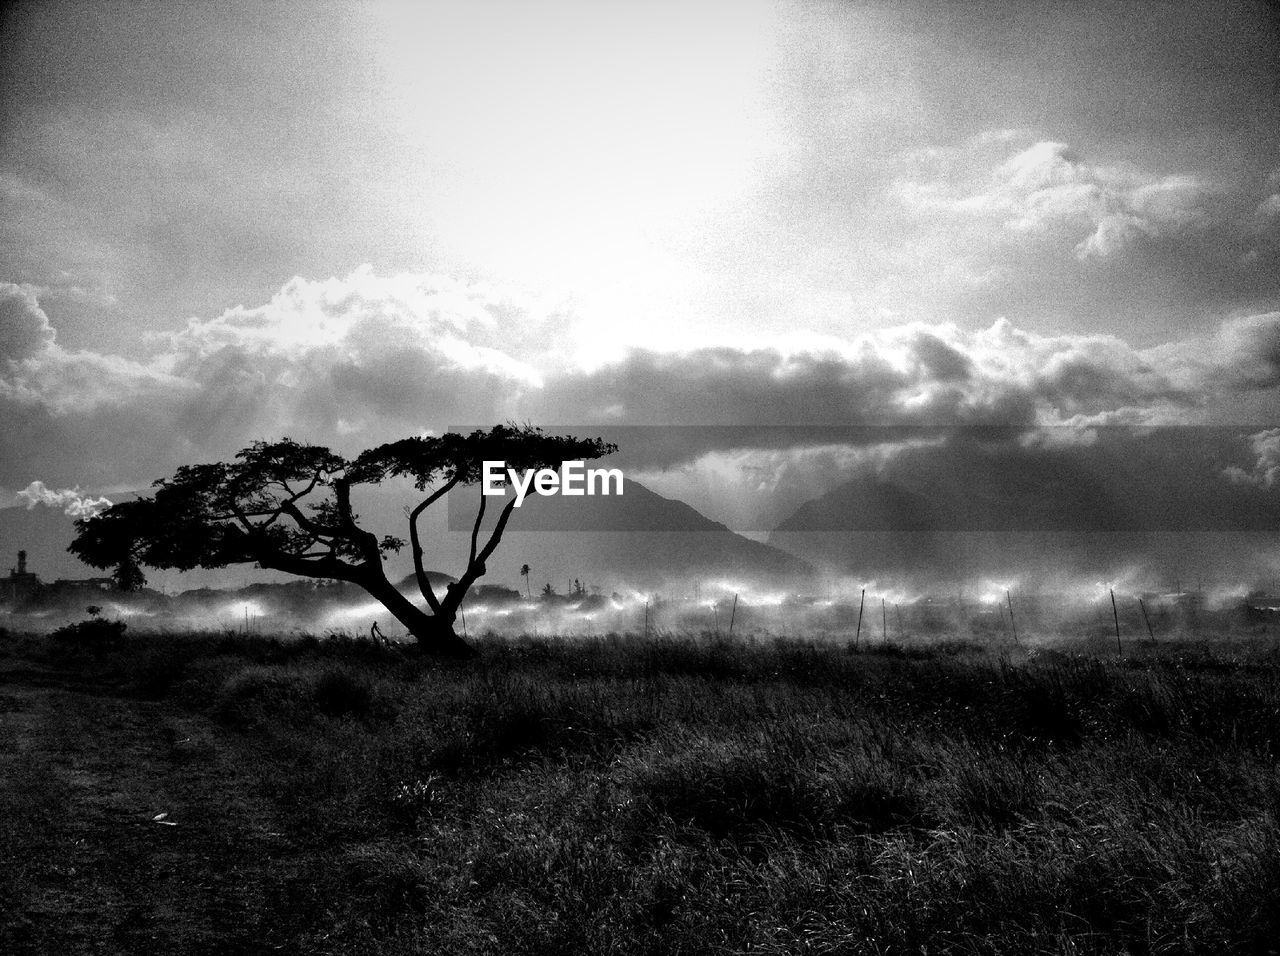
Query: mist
[{"x": 1000, "y": 613}]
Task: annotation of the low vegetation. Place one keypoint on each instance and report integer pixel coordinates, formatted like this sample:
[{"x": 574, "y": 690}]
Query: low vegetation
[{"x": 617, "y": 795}]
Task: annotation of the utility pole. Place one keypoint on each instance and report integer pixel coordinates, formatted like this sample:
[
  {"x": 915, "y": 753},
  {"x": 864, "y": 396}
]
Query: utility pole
[
  {"x": 1150, "y": 633},
  {"x": 1116, "y": 615}
]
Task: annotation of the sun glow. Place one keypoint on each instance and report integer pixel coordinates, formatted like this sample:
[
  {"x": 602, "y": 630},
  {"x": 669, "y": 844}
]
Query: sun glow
[{"x": 573, "y": 147}]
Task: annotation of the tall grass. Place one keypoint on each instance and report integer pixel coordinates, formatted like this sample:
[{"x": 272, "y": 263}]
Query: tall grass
[{"x": 615, "y": 795}]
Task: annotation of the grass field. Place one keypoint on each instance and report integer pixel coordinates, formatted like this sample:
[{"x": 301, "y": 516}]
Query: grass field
[{"x": 615, "y": 795}]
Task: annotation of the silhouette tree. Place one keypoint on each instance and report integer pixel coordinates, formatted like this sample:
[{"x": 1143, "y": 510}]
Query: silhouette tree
[
  {"x": 286, "y": 506},
  {"x": 524, "y": 570},
  {"x": 128, "y": 576}
]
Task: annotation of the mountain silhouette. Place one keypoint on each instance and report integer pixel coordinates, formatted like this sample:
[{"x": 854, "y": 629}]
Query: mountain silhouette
[
  {"x": 639, "y": 537},
  {"x": 974, "y": 506}
]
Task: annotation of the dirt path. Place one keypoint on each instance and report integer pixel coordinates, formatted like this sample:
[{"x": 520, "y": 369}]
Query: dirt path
[{"x": 85, "y": 866}]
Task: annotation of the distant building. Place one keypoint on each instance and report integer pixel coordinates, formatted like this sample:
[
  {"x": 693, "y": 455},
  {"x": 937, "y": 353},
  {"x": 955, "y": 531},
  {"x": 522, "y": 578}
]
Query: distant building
[
  {"x": 21, "y": 585},
  {"x": 68, "y": 586}
]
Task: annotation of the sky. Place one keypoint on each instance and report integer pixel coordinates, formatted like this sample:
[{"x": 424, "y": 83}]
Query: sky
[{"x": 348, "y": 222}]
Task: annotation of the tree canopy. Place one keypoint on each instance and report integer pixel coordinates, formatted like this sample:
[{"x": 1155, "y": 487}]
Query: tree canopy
[{"x": 286, "y": 505}]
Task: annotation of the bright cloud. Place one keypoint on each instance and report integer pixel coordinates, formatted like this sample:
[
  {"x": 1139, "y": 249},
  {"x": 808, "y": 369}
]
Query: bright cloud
[
  {"x": 36, "y": 371},
  {"x": 366, "y": 358},
  {"x": 71, "y": 500},
  {"x": 1048, "y": 190},
  {"x": 1266, "y": 471}
]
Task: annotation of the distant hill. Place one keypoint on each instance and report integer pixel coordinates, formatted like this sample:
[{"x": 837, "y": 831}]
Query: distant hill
[
  {"x": 438, "y": 579},
  {"x": 639, "y": 537},
  {"x": 971, "y": 507}
]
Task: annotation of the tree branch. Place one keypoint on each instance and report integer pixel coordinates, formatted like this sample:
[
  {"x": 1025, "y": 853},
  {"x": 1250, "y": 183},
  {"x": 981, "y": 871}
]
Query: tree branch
[
  {"x": 260, "y": 549},
  {"x": 476, "y": 567},
  {"x": 367, "y": 541},
  {"x": 475, "y": 528},
  {"x": 500, "y": 527},
  {"x": 321, "y": 567},
  {"x": 293, "y": 498},
  {"x": 250, "y": 528},
  {"x": 307, "y": 524},
  {"x": 415, "y": 541}
]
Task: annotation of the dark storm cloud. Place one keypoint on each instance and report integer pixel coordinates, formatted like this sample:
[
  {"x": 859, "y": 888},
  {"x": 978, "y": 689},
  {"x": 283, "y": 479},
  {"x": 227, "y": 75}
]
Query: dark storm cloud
[
  {"x": 909, "y": 376},
  {"x": 355, "y": 361}
]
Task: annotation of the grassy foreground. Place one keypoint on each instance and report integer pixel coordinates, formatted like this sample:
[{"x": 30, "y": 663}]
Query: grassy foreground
[{"x": 207, "y": 794}]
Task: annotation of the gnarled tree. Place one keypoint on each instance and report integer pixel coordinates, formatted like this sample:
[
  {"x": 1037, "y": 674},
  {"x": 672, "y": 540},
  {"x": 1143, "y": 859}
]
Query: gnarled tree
[{"x": 286, "y": 506}]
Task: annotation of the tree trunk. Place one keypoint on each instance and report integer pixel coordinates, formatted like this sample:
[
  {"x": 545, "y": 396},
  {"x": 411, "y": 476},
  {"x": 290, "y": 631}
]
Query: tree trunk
[{"x": 434, "y": 633}]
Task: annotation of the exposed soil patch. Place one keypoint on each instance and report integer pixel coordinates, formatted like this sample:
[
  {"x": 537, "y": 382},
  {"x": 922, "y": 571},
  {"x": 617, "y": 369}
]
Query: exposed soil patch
[{"x": 89, "y": 867}]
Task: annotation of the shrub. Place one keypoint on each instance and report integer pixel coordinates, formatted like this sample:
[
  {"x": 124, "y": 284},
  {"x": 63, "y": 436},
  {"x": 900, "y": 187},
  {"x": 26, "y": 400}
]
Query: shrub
[
  {"x": 94, "y": 632},
  {"x": 158, "y": 671},
  {"x": 341, "y": 693},
  {"x": 246, "y": 697}
]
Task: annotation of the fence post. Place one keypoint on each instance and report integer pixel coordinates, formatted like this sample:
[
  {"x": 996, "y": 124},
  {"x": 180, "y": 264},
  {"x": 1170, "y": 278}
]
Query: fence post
[
  {"x": 1116, "y": 614},
  {"x": 1012, "y": 622}
]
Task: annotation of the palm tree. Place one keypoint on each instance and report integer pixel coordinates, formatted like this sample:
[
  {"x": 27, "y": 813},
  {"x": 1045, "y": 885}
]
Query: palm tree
[{"x": 524, "y": 571}]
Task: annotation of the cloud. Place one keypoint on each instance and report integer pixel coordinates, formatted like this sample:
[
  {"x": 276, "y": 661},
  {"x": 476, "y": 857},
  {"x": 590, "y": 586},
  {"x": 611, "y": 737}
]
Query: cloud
[
  {"x": 80, "y": 383},
  {"x": 366, "y": 358},
  {"x": 1266, "y": 471},
  {"x": 1048, "y": 190},
  {"x": 1252, "y": 347},
  {"x": 349, "y": 361},
  {"x": 910, "y": 375},
  {"x": 35, "y": 370},
  {"x": 1241, "y": 356},
  {"x": 468, "y": 328},
  {"x": 24, "y": 328},
  {"x": 73, "y": 503}
]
